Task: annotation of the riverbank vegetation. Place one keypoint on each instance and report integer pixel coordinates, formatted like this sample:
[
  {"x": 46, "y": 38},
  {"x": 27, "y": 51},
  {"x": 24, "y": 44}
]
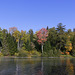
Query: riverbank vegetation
[{"x": 47, "y": 42}]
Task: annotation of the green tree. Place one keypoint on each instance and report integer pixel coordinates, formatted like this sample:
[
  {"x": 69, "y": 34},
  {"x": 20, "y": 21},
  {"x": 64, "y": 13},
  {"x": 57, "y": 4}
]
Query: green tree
[
  {"x": 69, "y": 31},
  {"x": 47, "y": 46},
  {"x": 31, "y": 35},
  {"x": 60, "y": 28},
  {"x": 61, "y": 36},
  {"x": 73, "y": 44},
  {"x": 5, "y": 48},
  {"x": 12, "y": 45},
  {"x": 37, "y": 46},
  {"x": 1, "y": 38},
  {"x": 52, "y": 36}
]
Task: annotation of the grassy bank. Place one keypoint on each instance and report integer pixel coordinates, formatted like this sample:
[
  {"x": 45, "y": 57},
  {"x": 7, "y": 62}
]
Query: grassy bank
[{"x": 66, "y": 56}]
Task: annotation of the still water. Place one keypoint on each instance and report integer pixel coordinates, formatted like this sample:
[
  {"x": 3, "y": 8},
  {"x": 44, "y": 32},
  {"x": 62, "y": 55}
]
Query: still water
[{"x": 37, "y": 66}]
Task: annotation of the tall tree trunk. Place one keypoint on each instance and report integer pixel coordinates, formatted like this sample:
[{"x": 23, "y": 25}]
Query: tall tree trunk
[
  {"x": 42, "y": 48},
  {"x": 18, "y": 45}
]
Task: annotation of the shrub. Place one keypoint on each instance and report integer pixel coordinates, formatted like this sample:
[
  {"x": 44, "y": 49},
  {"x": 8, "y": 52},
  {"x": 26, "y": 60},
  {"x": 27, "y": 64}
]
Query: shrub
[
  {"x": 67, "y": 53},
  {"x": 57, "y": 53},
  {"x": 62, "y": 53},
  {"x": 44, "y": 54},
  {"x": 48, "y": 54},
  {"x": 35, "y": 53},
  {"x": 16, "y": 54},
  {"x": 4, "y": 52},
  {"x": 23, "y": 53},
  {"x": 1, "y": 54}
]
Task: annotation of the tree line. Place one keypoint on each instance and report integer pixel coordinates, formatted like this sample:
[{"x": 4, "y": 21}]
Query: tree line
[{"x": 45, "y": 42}]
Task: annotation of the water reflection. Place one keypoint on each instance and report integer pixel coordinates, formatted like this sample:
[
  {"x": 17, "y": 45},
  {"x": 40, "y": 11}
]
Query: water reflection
[
  {"x": 69, "y": 67},
  {"x": 37, "y": 66}
]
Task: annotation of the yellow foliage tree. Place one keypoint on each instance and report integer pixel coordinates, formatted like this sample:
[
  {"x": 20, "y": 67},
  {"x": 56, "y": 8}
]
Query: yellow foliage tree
[
  {"x": 68, "y": 45},
  {"x": 17, "y": 34},
  {"x": 23, "y": 38}
]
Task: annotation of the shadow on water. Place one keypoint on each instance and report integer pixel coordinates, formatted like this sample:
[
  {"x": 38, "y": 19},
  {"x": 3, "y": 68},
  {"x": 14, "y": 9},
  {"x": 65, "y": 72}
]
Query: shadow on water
[{"x": 37, "y": 66}]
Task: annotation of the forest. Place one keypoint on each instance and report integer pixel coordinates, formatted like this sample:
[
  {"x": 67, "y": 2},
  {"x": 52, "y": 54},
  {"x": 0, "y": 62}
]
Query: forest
[{"x": 47, "y": 42}]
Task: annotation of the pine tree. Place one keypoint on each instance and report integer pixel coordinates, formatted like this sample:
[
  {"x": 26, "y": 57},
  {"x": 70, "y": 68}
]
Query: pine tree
[
  {"x": 1, "y": 38},
  {"x": 12, "y": 45},
  {"x": 73, "y": 44},
  {"x": 5, "y": 49},
  {"x": 47, "y": 46},
  {"x": 47, "y": 28},
  {"x": 31, "y": 35}
]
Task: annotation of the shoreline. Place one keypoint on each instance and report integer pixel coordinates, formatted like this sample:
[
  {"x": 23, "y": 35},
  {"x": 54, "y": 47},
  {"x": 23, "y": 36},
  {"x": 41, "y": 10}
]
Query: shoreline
[{"x": 62, "y": 56}]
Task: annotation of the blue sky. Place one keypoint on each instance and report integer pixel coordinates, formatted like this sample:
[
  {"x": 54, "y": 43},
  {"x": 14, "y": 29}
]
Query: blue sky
[{"x": 36, "y": 14}]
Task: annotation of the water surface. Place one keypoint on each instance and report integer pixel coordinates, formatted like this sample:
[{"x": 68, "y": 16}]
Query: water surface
[{"x": 37, "y": 66}]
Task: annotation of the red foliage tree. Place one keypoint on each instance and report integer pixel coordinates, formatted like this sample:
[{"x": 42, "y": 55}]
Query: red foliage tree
[{"x": 42, "y": 37}]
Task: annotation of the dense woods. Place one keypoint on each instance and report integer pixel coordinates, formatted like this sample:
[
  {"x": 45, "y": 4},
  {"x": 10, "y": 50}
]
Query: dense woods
[{"x": 48, "y": 42}]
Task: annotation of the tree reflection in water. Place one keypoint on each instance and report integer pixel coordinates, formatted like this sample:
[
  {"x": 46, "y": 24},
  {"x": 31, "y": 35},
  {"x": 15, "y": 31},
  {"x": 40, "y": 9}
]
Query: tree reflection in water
[
  {"x": 37, "y": 66},
  {"x": 69, "y": 67}
]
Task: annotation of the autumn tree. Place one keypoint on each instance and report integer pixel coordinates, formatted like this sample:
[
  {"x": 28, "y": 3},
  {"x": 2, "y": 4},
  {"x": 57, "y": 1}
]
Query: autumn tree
[
  {"x": 68, "y": 45},
  {"x": 17, "y": 34},
  {"x": 42, "y": 37},
  {"x": 12, "y": 30},
  {"x": 23, "y": 39}
]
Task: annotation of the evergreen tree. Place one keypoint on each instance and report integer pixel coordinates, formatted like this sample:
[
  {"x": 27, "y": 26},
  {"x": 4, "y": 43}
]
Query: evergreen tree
[
  {"x": 74, "y": 30},
  {"x": 47, "y": 46},
  {"x": 47, "y": 28},
  {"x": 52, "y": 36},
  {"x": 73, "y": 44},
  {"x": 74, "y": 41},
  {"x": 60, "y": 28},
  {"x": 1, "y": 38},
  {"x": 5, "y": 48},
  {"x": 60, "y": 36},
  {"x": 28, "y": 46},
  {"x": 12, "y": 45},
  {"x": 31, "y": 35}
]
